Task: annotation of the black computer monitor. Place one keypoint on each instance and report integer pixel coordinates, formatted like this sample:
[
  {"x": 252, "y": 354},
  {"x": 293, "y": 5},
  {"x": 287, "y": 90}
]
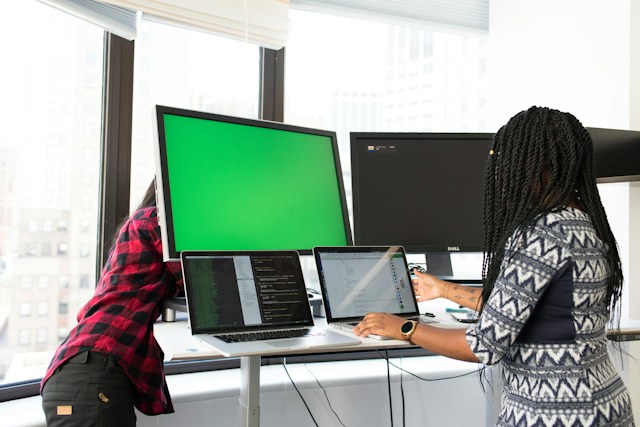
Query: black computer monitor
[
  {"x": 616, "y": 153},
  {"x": 229, "y": 183},
  {"x": 423, "y": 191}
]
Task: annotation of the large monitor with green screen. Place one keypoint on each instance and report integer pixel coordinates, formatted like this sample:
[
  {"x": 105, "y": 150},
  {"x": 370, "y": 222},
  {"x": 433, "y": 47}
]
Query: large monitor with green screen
[{"x": 229, "y": 183}]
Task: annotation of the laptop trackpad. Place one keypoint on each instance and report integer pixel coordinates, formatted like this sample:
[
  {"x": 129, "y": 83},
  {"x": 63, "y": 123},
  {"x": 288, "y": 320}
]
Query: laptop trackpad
[{"x": 289, "y": 342}]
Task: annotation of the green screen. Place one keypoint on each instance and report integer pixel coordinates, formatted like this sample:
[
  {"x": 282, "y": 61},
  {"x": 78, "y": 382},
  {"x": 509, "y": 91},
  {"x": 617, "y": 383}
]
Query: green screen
[{"x": 236, "y": 186}]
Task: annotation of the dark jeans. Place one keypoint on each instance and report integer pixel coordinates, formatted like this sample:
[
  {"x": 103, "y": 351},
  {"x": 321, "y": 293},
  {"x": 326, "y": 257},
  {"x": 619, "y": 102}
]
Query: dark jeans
[{"x": 89, "y": 390}]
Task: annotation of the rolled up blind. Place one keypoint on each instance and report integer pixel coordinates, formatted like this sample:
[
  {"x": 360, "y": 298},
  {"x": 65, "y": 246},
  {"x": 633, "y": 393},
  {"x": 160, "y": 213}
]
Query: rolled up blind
[
  {"x": 456, "y": 15},
  {"x": 263, "y": 22},
  {"x": 115, "y": 19}
]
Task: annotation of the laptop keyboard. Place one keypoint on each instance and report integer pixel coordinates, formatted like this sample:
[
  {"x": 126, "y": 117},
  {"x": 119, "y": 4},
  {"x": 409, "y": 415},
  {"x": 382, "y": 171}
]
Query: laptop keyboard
[{"x": 265, "y": 335}]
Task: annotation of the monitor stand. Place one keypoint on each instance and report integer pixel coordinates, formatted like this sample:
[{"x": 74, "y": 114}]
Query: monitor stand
[
  {"x": 439, "y": 264},
  {"x": 170, "y": 306}
]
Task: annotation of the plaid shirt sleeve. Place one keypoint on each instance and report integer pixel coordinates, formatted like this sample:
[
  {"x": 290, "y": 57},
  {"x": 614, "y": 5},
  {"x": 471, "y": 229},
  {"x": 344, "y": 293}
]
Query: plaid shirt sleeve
[{"x": 118, "y": 320}]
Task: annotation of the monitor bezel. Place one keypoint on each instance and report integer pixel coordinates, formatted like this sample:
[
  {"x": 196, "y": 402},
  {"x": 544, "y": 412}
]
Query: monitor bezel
[
  {"x": 357, "y": 138},
  {"x": 163, "y": 190}
]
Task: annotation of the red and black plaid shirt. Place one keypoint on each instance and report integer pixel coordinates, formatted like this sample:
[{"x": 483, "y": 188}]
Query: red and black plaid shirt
[{"x": 118, "y": 320}]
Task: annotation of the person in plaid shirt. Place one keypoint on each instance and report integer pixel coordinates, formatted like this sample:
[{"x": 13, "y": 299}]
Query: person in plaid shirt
[{"x": 111, "y": 362}]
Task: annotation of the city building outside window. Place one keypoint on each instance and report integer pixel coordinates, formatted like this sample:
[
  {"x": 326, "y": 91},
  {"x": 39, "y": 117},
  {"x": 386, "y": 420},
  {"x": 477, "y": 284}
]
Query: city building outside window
[{"x": 50, "y": 117}]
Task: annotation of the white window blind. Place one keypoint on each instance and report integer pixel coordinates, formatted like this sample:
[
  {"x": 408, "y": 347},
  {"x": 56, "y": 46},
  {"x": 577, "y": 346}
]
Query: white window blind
[
  {"x": 263, "y": 22},
  {"x": 116, "y": 20},
  {"x": 456, "y": 15}
]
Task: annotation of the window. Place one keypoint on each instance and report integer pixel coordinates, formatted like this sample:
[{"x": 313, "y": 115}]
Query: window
[
  {"x": 43, "y": 282},
  {"x": 41, "y": 335},
  {"x": 32, "y": 225},
  {"x": 63, "y": 307},
  {"x": 63, "y": 280},
  {"x": 24, "y": 309},
  {"x": 54, "y": 89},
  {"x": 47, "y": 225},
  {"x": 62, "y": 249},
  {"x": 186, "y": 69},
  {"x": 26, "y": 282},
  {"x": 370, "y": 76},
  {"x": 84, "y": 281},
  {"x": 62, "y": 334},
  {"x": 24, "y": 337},
  {"x": 42, "y": 308},
  {"x": 46, "y": 249},
  {"x": 50, "y": 118},
  {"x": 31, "y": 249}
]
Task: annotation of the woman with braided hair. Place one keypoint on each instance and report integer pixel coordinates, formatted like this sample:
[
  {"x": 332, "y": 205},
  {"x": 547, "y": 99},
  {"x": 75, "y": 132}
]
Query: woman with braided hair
[{"x": 552, "y": 281}]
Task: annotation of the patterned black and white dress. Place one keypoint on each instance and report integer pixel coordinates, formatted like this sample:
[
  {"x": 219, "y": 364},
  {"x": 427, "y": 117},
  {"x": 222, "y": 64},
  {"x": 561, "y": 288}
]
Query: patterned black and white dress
[{"x": 545, "y": 320}]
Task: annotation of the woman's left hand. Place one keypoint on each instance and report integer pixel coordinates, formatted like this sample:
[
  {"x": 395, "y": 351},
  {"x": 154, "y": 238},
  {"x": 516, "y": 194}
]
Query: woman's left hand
[{"x": 384, "y": 324}]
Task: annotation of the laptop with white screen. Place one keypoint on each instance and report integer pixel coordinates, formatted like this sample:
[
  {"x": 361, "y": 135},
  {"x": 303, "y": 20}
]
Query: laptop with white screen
[
  {"x": 252, "y": 302},
  {"x": 356, "y": 280}
]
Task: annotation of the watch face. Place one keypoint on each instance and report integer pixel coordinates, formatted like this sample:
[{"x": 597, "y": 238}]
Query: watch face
[{"x": 406, "y": 327}]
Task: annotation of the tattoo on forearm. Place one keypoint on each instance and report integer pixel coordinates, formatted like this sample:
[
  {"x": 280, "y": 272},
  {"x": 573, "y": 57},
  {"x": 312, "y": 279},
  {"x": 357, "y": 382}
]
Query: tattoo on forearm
[
  {"x": 472, "y": 297},
  {"x": 461, "y": 297}
]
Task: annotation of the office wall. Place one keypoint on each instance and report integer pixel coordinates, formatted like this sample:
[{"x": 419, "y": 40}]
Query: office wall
[
  {"x": 634, "y": 291},
  {"x": 572, "y": 55},
  {"x": 634, "y": 188}
]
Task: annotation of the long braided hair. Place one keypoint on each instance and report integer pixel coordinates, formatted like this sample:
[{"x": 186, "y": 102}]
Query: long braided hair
[{"x": 541, "y": 160}]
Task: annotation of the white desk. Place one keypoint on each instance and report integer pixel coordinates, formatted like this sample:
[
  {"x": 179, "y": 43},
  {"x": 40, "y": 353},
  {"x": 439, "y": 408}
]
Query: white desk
[{"x": 178, "y": 344}]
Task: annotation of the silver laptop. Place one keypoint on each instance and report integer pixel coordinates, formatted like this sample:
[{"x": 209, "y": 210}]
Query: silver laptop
[
  {"x": 252, "y": 302},
  {"x": 356, "y": 280}
]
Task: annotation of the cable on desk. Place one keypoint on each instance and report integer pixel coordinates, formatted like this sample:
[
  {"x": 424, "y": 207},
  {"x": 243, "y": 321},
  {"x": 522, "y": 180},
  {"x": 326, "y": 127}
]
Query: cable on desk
[
  {"x": 325, "y": 394},
  {"x": 404, "y": 418},
  {"x": 386, "y": 357},
  {"x": 429, "y": 379},
  {"x": 284, "y": 365},
  {"x": 389, "y": 387}
]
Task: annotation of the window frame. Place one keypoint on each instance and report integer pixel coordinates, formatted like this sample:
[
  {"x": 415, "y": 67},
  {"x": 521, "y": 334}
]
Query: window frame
[{"x": 114, "y": 198}]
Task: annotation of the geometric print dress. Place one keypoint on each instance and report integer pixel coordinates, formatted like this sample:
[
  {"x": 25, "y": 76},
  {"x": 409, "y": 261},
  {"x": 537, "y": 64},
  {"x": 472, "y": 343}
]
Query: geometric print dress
[{"x": 545, "y": 321}]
